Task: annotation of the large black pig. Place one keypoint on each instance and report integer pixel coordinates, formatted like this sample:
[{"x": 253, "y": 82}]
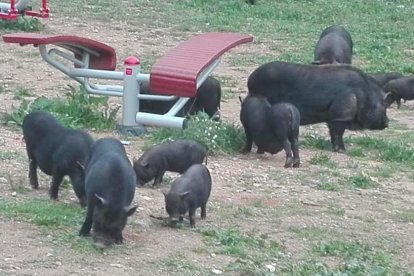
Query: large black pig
[
  {"x": 340, "y": 95},
  {"x": 207, "y": 100},
  {"x": 57, "y": 151},
  {"x": 400, "y": 88},
  {"x": 175, "y": 156},
  {"x": 271, "y": 127},
  {"x": 110, "y": 188},
  {"x": 188, "y": 192},
  {"x": 334, "y": 46}
]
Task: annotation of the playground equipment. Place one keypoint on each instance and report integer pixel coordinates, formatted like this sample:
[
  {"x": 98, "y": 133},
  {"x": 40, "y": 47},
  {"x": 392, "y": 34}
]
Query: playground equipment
[
  {"x": 11, "y": 11},
  {"x": 174, "y": 77}
]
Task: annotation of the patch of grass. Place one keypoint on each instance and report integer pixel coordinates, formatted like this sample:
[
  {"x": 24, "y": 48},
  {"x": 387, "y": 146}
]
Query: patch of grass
[
  {"x": 355, "y": 152},
  {"x": 312, "y": 233},
  {"x": 180, "y": 264},
  {"x": 23, "y": 23},
  {"x": 335, "y": 210},
  {"x": 21, "y": 94},
  {"x": 406, "y": 216},
  {"x": 323, "y": 160},
  {"x": 390, "y": 150},
  {"x": 250, "y": 247},
  {"x": 361, "y": 182},
  {"x": 328, "y": 186},
  {"x": 45, "y": 213},
  {"x": 77, "y": 110},
  {"x": 358, "y": 259},
  {"x": 62, "y": 220},
  {"x": 9, "y": 155},
  {"x": 385, "y": 171},
  {"x": 316, "y": 142},
  {"x": 217, "y": 137}
]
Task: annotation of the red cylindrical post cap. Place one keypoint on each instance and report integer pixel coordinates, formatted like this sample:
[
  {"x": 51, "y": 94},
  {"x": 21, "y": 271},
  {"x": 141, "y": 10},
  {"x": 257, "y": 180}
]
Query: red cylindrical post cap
[{"x": 132, "y": 60}]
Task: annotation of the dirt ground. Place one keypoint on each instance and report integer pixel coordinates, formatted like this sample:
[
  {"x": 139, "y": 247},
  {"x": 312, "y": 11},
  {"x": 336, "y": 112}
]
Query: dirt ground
[{"x": 238, "y": 180}]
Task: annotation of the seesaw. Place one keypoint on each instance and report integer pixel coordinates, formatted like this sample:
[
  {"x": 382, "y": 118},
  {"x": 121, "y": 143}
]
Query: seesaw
[
  {"x": 11, "y": 11},
  {"x": 174, "y": 77}
]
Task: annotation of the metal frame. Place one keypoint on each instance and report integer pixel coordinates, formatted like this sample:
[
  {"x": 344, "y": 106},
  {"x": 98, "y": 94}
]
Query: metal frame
[
  {"x": 131, "y": 77},
  {"x": 19, "y": 7}
]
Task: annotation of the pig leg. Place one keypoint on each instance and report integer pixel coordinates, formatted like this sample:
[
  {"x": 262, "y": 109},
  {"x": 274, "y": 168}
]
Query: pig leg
[
  {"x": 295, "y": 148},
  {"x": 191, "y": 214},
  {"x": 87, "y": 224},
  {"x": 118, "y": 238},
  {"x": 398, "y": 100},
  {"x": 79, "y": 188},
  {"x": 54, "y": 186},
  {"x": 288, "y": 150},
  {"x": 203, "y": 212},
  {"x": 260, "y": 150},
  {"x": 336, "y": 130},
  {"x": 33, "y": 174},
  {"x": 158, "y": 178},
  {"x": 249, "y": 142}
]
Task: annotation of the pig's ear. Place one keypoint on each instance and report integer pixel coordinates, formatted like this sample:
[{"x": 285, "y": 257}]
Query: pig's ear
[
  {"x": 389, "y": 99},
  {"x": 99, "y": 200},
  {"x": 129, "y": 210},
  {"x": 164, "y": 193},
  {"x": 184, "y": 195}
]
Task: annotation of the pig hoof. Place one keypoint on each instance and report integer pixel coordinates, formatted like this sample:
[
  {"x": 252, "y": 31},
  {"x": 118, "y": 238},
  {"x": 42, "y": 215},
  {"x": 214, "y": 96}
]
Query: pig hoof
[
  {"x": 34, "y": 185},
  {"x": 296, "y": 165}
]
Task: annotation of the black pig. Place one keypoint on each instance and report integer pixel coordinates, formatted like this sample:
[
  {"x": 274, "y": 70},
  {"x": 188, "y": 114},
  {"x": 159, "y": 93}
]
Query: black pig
[
  {"x": 187, "y": 193},
  {"x": 207, "y": 100},
  {"x": 271, "y": 127},
  {"x": 176, "y": 156},
  {"x": 57, "y": 150},
  {"x": 110, "y": 188},
  {"x": 334, "y": 46},
  {"x": 401, "y": 88},
  {"x": 340, "y": 95}
]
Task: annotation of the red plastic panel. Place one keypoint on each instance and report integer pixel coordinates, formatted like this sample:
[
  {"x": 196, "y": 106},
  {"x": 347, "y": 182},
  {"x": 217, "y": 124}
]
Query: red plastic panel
[
  {"x": 176, "y": 73},
  {"x": 105, "y": 60}
]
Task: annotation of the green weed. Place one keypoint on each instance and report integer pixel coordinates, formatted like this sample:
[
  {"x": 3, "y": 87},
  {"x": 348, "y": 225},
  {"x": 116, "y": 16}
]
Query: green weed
[
  {"x": 323, "y": 160},
  {"x": 217, "y": 137},
  {"x": 23, "y": 23},
  {"x": 361, "y": 182},
  {"x": 316, "y": 142},
  {"x": 179, "y": 264},
  {"x": 78, "y": 110},
  {"x": 250, "y": 247},
  {"x": 42, "y": 212},
  {"x": 358, "y": 259}
]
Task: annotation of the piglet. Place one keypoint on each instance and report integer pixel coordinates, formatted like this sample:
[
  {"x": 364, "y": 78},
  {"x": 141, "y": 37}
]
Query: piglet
[
  {"x": 176, "y": 156},
  {"x": 188, "y": 192},
  {"x": 57, "y": 151},
  {"x": 110, "y": 188}
]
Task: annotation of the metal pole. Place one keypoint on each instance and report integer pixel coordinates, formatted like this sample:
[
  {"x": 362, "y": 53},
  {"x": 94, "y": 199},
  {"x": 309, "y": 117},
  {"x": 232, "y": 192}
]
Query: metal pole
[{"x": 130, "y": 102}]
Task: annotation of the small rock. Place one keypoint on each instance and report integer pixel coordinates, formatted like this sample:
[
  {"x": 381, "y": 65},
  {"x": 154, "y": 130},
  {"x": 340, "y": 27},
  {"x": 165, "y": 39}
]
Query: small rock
[
  {"x": 58, "y": 263},
  {"x": 14, "y": 194},
  {"x": 216, "y": 271},
  {"x": 116, "y": 265},
  {"x": 213, "y": 255}
]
